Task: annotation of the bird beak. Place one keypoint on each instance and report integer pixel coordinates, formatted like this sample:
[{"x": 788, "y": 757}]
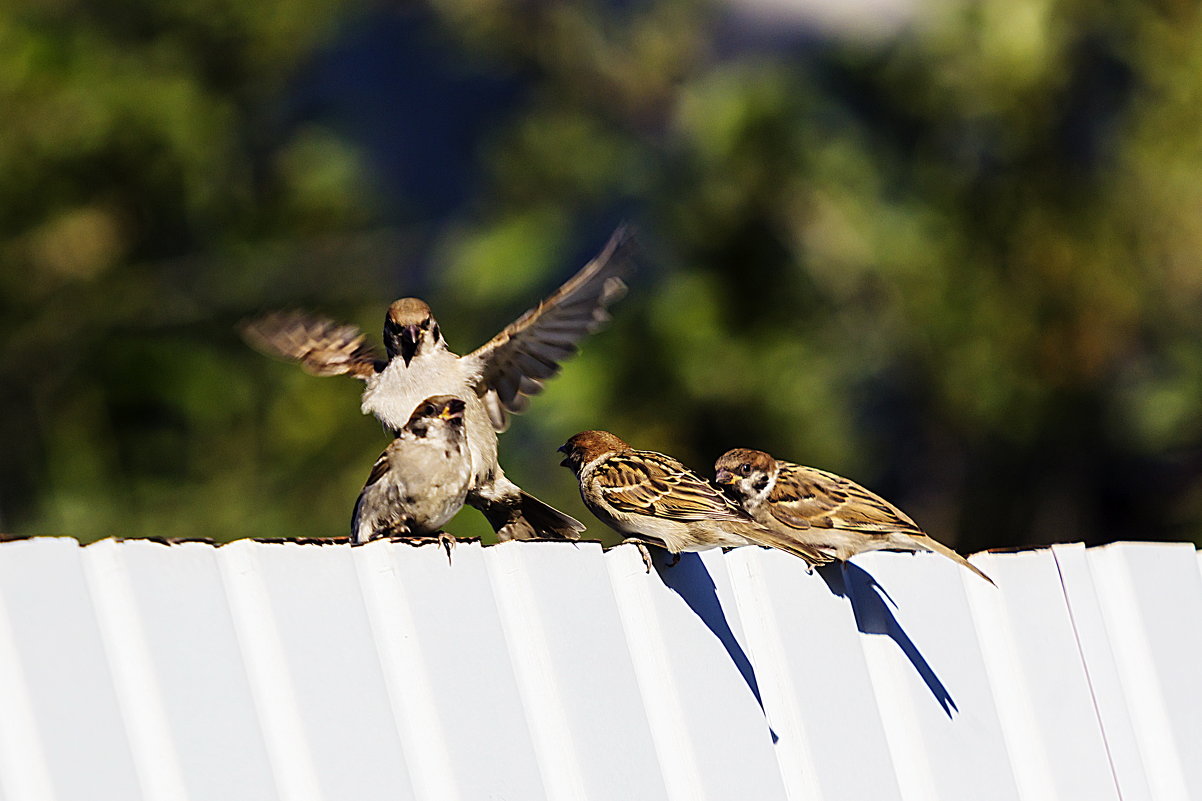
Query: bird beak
[
  {"x": 452, "y": 411},
  {"x": 565, "y": 462},
  {"x": 409, "y": 335},
  {"x": 724, "y": 477}
]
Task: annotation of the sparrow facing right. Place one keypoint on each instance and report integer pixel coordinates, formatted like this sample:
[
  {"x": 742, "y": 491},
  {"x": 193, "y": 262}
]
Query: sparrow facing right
[
  {"x": 829, "y": 513},
  {"x": 495, "y": 380},
  {"x": 656, "y": 500},
  {"x": 420, "y": 480}
]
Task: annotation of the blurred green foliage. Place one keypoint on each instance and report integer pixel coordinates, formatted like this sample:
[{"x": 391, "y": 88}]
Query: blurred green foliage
[{"x": 959, "y": 263}]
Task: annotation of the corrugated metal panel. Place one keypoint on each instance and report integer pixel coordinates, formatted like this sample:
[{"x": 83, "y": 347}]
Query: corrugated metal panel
[
  {"x": 1110, "y": 700},
  {"x": 451, "y": 683},
  {"x": 1040, "y": 686},
  {"x": 62, "y": 732},
  {"x": 1151, "y": 602},
  {"x": 178, "y": 670},
  {"x": 556, "y": 671}
]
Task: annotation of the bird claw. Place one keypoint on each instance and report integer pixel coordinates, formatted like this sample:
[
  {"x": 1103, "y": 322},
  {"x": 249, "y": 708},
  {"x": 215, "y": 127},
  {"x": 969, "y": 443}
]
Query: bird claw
[
  {"x": 644, "y": 552},
  {"x": 448, "y": 542}
]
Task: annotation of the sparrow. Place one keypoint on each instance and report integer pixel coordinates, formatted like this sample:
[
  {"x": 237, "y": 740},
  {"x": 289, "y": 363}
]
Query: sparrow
[
  {"x": 829, "y": 513},
  {"x": 420, "y": 480},
  {"x": 495, "y": 380},
  {"x": 655, "y": 500}
]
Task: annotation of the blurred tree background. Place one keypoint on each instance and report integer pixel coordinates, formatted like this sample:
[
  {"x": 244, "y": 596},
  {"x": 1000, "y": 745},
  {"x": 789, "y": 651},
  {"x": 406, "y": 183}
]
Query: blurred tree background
[{"x": 950, "y": 250}]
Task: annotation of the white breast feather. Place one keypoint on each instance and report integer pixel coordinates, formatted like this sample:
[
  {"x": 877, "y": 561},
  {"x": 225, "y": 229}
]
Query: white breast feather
[{"x": 393, "y": 395}]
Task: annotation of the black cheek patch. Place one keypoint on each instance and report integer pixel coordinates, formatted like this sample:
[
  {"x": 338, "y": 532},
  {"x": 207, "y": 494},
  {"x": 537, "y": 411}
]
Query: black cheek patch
[{"x": 760, "y": 483}]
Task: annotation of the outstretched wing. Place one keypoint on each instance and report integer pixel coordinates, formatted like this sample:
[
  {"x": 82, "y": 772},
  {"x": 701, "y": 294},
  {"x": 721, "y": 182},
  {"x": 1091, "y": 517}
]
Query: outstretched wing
[
  {"x": 514, "y": 363},
  {"x": 321, "y": 346},
  {"x": 807, "y": 498},
  {"x": 649, "y": 483}
]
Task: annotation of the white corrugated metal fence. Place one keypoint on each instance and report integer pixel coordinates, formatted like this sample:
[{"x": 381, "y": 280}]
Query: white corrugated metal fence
[{"x": 555, "y": 671}]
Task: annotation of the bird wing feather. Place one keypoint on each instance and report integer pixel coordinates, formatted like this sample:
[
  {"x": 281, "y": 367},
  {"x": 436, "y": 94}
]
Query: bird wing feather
[
  {"x": 804, "y": 497},
  {"x": 807, "y": 498},
  {"x": 649, "y": 483},
  {"x": 321, "y": 346},
  {"x": 375, "y": 508},
  {"x": 514, "y": 363}
]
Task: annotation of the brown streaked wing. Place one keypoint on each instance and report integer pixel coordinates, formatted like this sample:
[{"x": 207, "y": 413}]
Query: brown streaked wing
[
  {"x": 382, "y": 466},
  {"x": 649, "y": 483},
  {"x": 322, "y": 347},
  {"x": 516, "y": 361},
  {"x": 804, "y": 497}
]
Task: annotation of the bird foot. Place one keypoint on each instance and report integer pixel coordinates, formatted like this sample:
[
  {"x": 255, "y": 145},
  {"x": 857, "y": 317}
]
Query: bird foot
[
  {"x": 644, "y": 552},
  {"x": 447, "y": 541}
]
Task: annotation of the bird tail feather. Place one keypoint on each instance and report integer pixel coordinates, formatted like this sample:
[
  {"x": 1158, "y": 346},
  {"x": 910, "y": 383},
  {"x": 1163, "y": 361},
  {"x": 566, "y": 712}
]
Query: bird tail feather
[
  {"x": 931, "y": 544},
  {"x": 546, "y": 521}
]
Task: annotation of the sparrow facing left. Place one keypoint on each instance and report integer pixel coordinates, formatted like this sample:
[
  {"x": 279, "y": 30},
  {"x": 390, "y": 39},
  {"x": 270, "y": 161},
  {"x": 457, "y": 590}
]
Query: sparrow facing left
[
  {"x": 827, "y": 512},
  {"x": 655, "y": 500},
  {"x": 494, "y": 380},
  {"x": 420, "y": 480}
]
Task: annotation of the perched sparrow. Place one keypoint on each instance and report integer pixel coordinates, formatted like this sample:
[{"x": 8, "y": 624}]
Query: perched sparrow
[
  {"x": 493, "y": 380},
  {"x": 827, "y": 512},
  {"x": 420, "y": 480},
  {"x": 655, "y": 500}
]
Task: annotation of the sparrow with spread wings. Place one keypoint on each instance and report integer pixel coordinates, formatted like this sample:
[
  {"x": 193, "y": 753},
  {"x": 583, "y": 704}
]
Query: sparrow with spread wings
[
  {"x": 494, "y": 380},
  {"x": 655, "y": 500},
  {"x": 829, "y": 513}
]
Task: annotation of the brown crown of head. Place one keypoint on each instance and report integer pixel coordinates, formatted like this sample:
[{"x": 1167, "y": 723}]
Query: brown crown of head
[
  {"x": 739, "y": 462},
  {"x": 588, "y": 445},
  {"x": 408, "y": 311}
]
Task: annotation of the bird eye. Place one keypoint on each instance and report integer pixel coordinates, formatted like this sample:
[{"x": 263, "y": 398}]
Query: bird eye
[{"x": 745, "y": 469}]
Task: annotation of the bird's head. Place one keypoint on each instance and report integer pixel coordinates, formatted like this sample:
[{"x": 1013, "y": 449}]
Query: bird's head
[
  {"x": 410, "y": 328},
  {"x": 745, "y": 473},
  {"x": 587, "y": 446},
  {"x": 434, "y": 411}
]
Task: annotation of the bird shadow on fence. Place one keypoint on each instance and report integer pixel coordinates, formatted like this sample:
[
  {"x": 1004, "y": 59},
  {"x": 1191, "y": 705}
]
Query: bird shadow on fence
[
  {"x": 690, "y": 579},
  {"x": 870, "y": 603}
]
